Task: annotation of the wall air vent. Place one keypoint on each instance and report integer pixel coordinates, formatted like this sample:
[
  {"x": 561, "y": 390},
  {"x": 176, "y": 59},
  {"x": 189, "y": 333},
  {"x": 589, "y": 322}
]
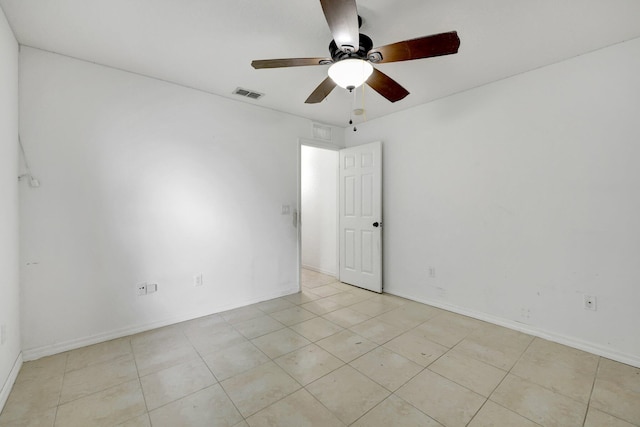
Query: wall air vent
[
  {"x": 247, "y": 93},
  {"x": 322, "y": 132}
]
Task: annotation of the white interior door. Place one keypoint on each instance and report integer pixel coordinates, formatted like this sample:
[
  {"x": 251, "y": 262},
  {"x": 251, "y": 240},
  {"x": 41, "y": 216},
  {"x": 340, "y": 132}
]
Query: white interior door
[{"x": 360, "y": 216}]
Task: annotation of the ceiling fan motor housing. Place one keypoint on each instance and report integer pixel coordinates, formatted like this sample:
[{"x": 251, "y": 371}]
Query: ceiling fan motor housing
[{"x": 338, "y": 54}]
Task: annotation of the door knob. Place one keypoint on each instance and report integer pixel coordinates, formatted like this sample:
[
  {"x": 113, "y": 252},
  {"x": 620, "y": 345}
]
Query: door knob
[{"x": 376, "y": 224}]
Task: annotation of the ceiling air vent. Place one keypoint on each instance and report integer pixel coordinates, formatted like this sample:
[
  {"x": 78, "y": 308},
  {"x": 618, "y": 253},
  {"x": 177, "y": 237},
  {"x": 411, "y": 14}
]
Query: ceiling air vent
[{"x": 248, "y": 93}]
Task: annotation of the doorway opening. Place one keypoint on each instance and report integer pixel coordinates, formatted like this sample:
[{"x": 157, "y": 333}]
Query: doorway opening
[{"x": 319, "y": 209}]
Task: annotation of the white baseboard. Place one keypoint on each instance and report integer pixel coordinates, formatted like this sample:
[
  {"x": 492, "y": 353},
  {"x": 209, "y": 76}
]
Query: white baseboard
[
  {"x": 629, "y": 359},
  {"x": 8, "y": 384},
  {"x": 320, "y": 270},
  {"x": 48, "y": 350}
]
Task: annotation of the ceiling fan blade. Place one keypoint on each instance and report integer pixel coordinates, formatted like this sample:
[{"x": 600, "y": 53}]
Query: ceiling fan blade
[
  {"x": 422, "y": 47},
  {"x": 342, "y": 17},
  {"x": 288, "y": 62},
  {"x": 386, "y": 86},
  {"x": 321, "y": 91}
]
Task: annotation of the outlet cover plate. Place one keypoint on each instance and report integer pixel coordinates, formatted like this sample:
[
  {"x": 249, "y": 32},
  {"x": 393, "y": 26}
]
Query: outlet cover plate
[
  {"x": 590, "y": 302},
  {"x": 198, "y": 280},
  {"x": 141, "y": 289}
]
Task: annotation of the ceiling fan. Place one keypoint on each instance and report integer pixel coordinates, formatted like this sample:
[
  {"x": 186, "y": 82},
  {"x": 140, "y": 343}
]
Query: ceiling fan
[{"x": 353, "y": 53}]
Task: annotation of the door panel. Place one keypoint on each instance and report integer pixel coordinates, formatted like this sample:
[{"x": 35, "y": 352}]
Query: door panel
[{"x": 361, "y": 207}]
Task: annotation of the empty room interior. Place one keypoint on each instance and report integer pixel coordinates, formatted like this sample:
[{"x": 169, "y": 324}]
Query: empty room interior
[{"x": 193, "y": 233}]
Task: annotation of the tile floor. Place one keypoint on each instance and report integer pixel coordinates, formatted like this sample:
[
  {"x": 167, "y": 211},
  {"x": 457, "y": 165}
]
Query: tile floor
[{"x": 331, "y": 355}]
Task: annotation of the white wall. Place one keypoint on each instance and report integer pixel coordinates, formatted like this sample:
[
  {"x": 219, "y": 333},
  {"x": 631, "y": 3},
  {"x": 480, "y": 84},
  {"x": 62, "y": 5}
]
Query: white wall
[
  {"x": 9, "y": 267},
  {"x": 142, "y": 180},
  {"x": 319, "y": 185},
  {"x": 524, "y": 195}
]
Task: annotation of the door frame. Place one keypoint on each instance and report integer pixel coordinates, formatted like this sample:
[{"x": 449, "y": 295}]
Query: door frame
[{"x": 297, "y": 214}]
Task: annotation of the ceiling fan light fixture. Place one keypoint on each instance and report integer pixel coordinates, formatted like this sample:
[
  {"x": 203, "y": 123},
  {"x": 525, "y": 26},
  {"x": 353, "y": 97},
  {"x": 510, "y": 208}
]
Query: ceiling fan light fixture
[{"x": 350, "y": 73}]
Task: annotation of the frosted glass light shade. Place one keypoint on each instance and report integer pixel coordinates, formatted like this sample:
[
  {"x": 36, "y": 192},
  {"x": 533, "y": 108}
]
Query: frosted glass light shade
[{"x": 350, "y": 72}]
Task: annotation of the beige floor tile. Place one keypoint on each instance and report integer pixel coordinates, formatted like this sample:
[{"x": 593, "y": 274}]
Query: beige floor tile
[
  {"x": 395, "y": 412},
  {"x": 173, "y": 354},
  {"x": 347, "y": 298},
  {"x": 346, "y": 317},
  {"x": 46, "y": 367},
  {"x": 241, "y": 314},
  {"x": 539, "y": 404},
  {"x": 157, "y": 339},
  {"x": 409, "y": 315},
  {"x": 32, "y": 396},
  {"x": 347, "y": 345},
  {"x": 495, "y": 345},
  {"x": 174, "y": 383},
  {"x": 311, "y": 279},
  {"x": 460, "y": 320},
  {"x": 233, "y": 360},
  {"x": 106, "y": 408},
  {"x": 617, "y": 390},
  {"x": 242, "y": 424},
  {"x": 259, "y": 387},
  {"x": 347, "y": 393},
  {"x": 325, "y": 290},
  {"x": 302, "y": 297},
  {"x": 280, "y": 342},
  {"x": 139, "y": 421},
  {"x": 94, "y": 378},
  {"x": 44, "y": 418},
  {"x": 308, "y": 363},
  {"x": 596, "y": 418},
  {"x": 416, "y": 348},
  {"x": 374, "y": 306},
  {"x": 276, "y": 304},
  {"x": 291, "y": 316},
  {"x": 557, "y": 367},
  {"x": 494, "y": 415},
  {"x": 387, "y": 368},
  {"x": 468, "y": 372},
  {"x": 321, "y": 306},
  {"x": 206, "y": 325},
  {"x": 207, "y": 408},
  {"x": 345, "y": 286},
  {"x": 99, "y": 353},
  {"x": 392, "y": 299},
  {"x": 316, "y": 328},
  {"x": 376, "y": 330},
  {"x": 297, "y": 409},
  {"x": 443, "y": 400},
  {"x": 258, "y": 326},
  {"x": 448, "y": 329},
  {"x": 206, "y": 343}
]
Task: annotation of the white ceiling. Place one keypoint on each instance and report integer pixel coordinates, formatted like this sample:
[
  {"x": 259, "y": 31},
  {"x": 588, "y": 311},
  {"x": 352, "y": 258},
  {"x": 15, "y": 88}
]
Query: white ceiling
[{"x": 209, "y": 44}]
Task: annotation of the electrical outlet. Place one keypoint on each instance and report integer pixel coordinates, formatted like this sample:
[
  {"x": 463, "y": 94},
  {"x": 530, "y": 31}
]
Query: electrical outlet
[
  {"x": 432, "y": 272},
  {"x": 590, "y": 302},
  {"x": 152, "y": 287},
  {"x": 197, "y": 280},
  {"x": 141, "y": 289},
  {"x": 3, "y": 334}
]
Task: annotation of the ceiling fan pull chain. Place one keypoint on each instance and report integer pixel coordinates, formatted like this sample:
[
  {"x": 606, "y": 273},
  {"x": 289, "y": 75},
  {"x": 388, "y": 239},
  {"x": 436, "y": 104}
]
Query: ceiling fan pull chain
[
  {"x": 353, "y": 107},
  {"x": 364, "y": 110}
]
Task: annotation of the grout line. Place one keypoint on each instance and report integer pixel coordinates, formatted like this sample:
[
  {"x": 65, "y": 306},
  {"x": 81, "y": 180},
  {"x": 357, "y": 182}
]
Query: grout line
[
  {"x": 135, "y": 362},
  {"x": 593, "y": 386},
  {"x": 64, "y": 375}
]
